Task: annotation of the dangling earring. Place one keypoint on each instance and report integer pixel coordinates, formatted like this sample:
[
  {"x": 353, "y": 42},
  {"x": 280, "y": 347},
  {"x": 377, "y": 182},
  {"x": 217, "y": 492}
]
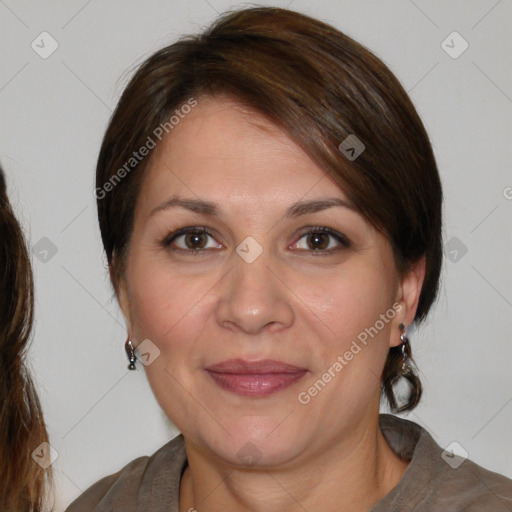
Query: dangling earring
[
  {"x": 130, "y": 352},
  {"x": 406, "y": 349}
]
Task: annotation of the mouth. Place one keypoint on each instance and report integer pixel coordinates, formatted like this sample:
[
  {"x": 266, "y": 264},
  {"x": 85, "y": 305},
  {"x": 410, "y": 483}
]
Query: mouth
[{"x": 254, "y": 378}]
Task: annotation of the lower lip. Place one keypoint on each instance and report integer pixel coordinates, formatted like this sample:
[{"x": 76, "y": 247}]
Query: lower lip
[{"x": 259, "y": 385}]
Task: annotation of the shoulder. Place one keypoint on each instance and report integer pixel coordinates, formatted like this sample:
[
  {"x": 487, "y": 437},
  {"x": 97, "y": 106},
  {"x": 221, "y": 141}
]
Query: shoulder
[
  {"x": 101, "y": 495},
  {"x": 469, "y": 486},
  {"x": 437, "y": 479},
  {"x": 135, "y": 481}
]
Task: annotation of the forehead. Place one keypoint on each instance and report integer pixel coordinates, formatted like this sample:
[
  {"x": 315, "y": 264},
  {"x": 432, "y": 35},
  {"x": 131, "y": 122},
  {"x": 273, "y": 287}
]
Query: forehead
[{"x": 223, "y": 146}]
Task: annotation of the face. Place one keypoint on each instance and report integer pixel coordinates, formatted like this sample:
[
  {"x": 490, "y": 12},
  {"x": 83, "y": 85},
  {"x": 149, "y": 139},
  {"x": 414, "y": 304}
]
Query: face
[{"x": 258, "y": 289}]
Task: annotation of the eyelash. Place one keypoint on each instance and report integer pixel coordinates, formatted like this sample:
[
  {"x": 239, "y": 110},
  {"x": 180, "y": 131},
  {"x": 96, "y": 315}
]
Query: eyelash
[{"x": 199, "y": 230}]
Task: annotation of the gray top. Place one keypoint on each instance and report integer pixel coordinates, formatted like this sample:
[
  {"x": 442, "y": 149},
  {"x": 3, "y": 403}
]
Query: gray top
[{"x": 430, "y": 483}]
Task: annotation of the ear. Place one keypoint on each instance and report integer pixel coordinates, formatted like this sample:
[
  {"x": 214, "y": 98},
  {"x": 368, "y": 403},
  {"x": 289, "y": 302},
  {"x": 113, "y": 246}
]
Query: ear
[
  {"x": 122, "y": 294},
  {"x": 408, "y": 296}
]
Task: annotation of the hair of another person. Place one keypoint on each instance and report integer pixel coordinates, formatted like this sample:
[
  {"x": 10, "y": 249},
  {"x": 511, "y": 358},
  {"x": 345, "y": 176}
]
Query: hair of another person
[
  {"x": 318, "y": 85},
  {"x": 24, "y": 484}
]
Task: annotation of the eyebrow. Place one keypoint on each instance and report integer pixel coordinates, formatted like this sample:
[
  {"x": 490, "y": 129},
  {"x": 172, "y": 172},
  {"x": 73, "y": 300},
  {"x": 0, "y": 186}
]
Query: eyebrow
[{"x": 212, "y": 209}]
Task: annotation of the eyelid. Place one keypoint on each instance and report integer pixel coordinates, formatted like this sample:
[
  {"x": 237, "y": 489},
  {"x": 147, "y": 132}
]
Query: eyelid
[
  {"x": 324, "y": 229},
  {"x": 340, "y": 237}
]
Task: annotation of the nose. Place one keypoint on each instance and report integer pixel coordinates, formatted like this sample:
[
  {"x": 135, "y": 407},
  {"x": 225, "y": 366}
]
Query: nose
[{"x": 253, "y": 298}]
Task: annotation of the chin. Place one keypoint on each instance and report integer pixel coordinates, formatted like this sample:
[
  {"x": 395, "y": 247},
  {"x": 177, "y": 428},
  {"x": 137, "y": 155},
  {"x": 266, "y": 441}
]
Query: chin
[{"x": 258, "y": 442}]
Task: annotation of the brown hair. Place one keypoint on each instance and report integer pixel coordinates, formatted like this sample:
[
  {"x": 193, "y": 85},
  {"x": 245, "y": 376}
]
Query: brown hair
[
  {"x": 320, "y": 86},
  {"x": 23, "y": 482}
]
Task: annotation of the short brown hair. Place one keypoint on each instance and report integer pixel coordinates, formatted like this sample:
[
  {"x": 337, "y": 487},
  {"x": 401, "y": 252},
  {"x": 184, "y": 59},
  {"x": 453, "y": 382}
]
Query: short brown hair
[{"x": 320, "y": 86}]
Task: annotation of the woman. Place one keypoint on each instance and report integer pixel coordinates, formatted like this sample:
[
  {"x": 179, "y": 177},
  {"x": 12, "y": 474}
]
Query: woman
[
  {"x": 23, "y": 481},
  {"x": 270, "y": 208}
]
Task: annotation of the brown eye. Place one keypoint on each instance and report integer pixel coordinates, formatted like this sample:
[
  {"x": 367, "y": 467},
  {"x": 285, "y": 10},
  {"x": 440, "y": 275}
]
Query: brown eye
[
  {"x": 318, "y": 241},
  {"x": 196, "y": 240},
  {"x": 193, "y": 240},
  {"x": 322, "y": 240}
]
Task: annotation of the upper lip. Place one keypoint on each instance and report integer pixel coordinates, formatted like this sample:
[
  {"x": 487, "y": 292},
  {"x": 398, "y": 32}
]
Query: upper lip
[{"x": 265, "y": 366}]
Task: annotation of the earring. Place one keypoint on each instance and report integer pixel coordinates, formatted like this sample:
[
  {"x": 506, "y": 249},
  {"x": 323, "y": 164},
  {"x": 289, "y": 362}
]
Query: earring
[
  {"x": 406, "y": 349},
  {"x": 130, "y": 352}
]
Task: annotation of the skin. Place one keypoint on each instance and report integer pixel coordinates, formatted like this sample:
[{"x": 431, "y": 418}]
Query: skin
[{"x": 294, "y": 303}]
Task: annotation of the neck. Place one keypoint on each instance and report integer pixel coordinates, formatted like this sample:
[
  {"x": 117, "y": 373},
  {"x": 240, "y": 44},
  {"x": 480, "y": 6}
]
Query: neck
[{"x": 349, "y": 474}]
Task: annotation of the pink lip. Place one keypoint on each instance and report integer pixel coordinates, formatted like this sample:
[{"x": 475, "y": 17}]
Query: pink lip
[{"x": 254, "y": 378}]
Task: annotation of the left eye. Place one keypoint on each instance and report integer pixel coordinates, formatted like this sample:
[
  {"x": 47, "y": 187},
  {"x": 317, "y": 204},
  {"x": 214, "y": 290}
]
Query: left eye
[{"x": 323, "y": 240}]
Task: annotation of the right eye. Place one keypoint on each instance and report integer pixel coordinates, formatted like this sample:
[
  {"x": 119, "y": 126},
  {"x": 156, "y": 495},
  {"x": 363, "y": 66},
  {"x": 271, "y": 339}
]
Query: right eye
[{"x": 191, "y": 239}]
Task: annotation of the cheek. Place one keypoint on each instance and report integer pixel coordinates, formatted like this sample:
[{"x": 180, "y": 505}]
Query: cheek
[
  {"x": 160, "y": 297},
  {"x": 170, "y": 310},
  {"x": 351, "y": 316},
  {"x": 173, "y": 308},
  {"x": 349, "y": 302}
]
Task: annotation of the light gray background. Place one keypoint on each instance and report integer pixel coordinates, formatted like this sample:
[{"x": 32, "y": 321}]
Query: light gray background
[{"x": 53, "y": 115}]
